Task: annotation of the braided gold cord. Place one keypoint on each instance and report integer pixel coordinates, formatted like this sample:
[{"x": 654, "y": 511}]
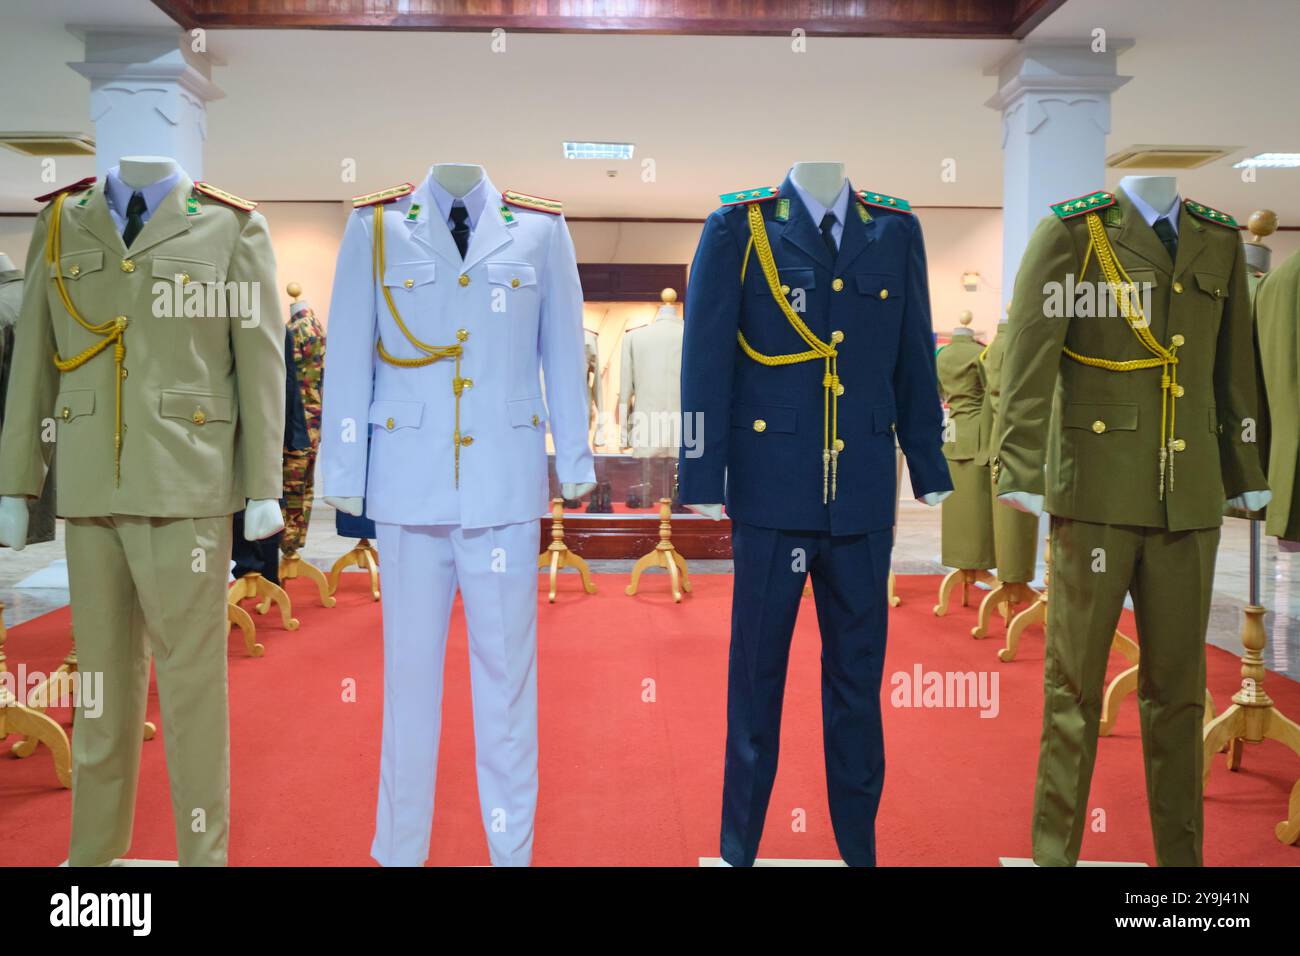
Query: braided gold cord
[{"x": 113, "y": 331}]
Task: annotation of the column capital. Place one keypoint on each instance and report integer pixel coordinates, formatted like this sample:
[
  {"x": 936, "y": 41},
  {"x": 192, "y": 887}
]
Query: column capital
[
  {"x": 138, "y": 56},
  {"x": 1056, "y": 67}
]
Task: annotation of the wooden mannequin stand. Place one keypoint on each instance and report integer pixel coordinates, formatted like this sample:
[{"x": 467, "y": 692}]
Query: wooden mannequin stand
[
  {"x": 558, "y": 556},
  {"x": 363, "y": 556},
  {"x": 1006, "y": 597},
  {"x": 963, "y": 576},
  {"x": 664, "y": 556},
  {"x": 253, "y": 585},
  {"x": 33, "y": 726},
  {"x": 237, "y": 616},
  {"x": 293, "y": 566},
  {"x": 1036, "y": 613}
]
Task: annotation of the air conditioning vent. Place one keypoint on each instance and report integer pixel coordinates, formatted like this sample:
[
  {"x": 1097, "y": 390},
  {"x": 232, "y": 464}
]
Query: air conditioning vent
[
  {"x": 1167, "y": 157},
  {"x": 49, "y": 144}
]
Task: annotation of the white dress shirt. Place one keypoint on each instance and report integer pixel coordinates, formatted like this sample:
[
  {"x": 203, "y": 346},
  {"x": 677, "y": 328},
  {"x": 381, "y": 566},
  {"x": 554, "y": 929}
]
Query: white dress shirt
[
  {"x": 1150, "y": 214},
  {"x": 815, "y": 209},
  {"x": 474, "y": 201},
  {"x": 119, "y": 195}
]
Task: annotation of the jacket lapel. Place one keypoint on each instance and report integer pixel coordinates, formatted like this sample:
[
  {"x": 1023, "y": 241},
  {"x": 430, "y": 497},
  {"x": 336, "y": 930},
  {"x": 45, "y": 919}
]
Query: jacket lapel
[
  {"x": 800, "y": 230},
  {"x": 490, "y": 232},
  {"x": 1191, "y": 241},
  {"x": 96, "y": 220},
  {"x": 165, "y": 222},
  {"x": 1139, "y": 238},
  {"x": 857, "y": 235},
  {"x": 429, "y": 230}
]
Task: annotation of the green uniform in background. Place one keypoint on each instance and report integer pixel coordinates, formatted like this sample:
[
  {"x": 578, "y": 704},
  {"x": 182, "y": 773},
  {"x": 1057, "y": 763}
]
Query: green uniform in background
[
  {"x": 1277, "y": 323},
  {"x": 967, "y": 521},
  {"x": 1146, "y": 427},
  {"x": 1015, "y": 534}
]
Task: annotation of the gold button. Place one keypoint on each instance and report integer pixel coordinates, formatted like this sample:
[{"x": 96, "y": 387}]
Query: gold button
[
  {"x": 884, "y": 293},
  {"x": 839, "y": 390},
  {"x": 839, "y": 444},
  {"x": 128, "y": 265},
  {"x": 760, "y": 425},
  {"x": 123, "y": 373},
  {"x": 1180, "y": 445},
  {"x": 1178, "y": 391},
  {"x": 1178, "y": 287},
  {"x": 467, "y": 439},
  {"x": 1099, "y": 426},
  {"x": 785, "y": 290},
  {"x": 466, "y": 383},
  {"x": 390, "y": 424},
  {"x": 837, "y": 336},
  {"x": 535, "y": 419},
  {"x": 185, "y": 278},
  {"x": 514, "y": 283},
  {"x": 120, "y": 322},
  {"x": 1178, "y": 341},
  {"x": 199, "y": 417},
  {"x": 837, "y": 285},
  {"x": 66, "y": 413},
  {"x": 462, "y": 335},
  {"x": 75, "y": 270},
  {"x": 464, "y": 279},
  {"x": 409, "y": 283}
]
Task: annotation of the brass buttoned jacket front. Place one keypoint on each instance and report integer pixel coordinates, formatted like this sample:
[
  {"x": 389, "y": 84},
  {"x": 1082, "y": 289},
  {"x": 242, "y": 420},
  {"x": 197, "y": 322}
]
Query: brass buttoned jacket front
[
  {"x": 1098, "y": 430},
  {"x": 202, "y": 396}
]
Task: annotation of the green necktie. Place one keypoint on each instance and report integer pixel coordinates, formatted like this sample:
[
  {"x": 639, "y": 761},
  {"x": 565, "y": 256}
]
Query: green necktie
[{"x": 134, "y": 218}]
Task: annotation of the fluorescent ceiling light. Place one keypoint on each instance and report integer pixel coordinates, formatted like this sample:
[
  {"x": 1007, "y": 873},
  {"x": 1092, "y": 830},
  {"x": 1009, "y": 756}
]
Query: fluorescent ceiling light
[
  {"x": 598, "y": 150},
  {"x": 1271, "y": 161}
]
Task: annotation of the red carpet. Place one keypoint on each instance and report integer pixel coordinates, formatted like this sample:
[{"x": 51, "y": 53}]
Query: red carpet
[{"x": 632, "y": 724}]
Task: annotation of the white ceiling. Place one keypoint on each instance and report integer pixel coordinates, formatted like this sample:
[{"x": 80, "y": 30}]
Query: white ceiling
[{"x": 714, "y": 113}]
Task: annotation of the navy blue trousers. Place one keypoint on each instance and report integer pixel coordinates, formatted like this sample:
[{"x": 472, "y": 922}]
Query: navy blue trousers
[{"x": 850, "y": 576}]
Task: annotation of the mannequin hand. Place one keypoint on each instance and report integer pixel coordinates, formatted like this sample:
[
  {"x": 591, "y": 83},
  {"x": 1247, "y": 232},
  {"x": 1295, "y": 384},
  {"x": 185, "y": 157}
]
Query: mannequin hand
[
  {"x": 573, "y": 490},
  {"x": 712, "y": 512},
  {"x": 349, "y": 506},
  {"x": 934, "y": 497},
  {"x": 1023, "y": 501},
  {"x": 262, "y": 519},
  {"x": 13, "y": 522},
  {"x": 1251, "y": 500}
]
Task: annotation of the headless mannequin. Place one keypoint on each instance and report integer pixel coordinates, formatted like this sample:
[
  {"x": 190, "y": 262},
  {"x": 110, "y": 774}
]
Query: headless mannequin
[
  {"x": 823, "y": 182},
  {"x": 1160, "y": 193},
  {"x": 458, "y": 179},
  {"x": 261, "y": 518}
]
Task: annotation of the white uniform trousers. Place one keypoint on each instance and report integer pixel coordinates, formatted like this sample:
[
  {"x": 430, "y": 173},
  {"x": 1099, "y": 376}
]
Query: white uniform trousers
[{"x": 496, "y": 571}]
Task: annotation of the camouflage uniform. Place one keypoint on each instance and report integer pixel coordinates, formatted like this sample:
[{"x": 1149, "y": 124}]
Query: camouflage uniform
[{"x": 299, "y": 465}]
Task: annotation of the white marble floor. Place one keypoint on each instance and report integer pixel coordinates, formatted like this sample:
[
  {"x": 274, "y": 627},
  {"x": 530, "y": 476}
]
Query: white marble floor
[{"x": 916, "y": 551}]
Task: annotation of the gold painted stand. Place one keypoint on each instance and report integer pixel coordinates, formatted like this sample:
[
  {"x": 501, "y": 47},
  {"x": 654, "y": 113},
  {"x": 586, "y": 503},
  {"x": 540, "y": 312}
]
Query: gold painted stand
[
  {"x": 253, "y": 585},
  {"x": 293, "y": 566},
  {"x": 1253, "y": 717},
  {"x": 1035, "y": 613},
  {"x": 1125, "y": 683},
  {"x": 363, "y": 556},
  {"x": 33, "y": 726},
  {"x": 894, "y": 599},
  {"x": 1006, "y": 597},
  {"x": 963, "y": 576},
  {"x": 558, "y": 556},
  {"x": 236, "y": 615},
  {"x": 664, "y": 556}
]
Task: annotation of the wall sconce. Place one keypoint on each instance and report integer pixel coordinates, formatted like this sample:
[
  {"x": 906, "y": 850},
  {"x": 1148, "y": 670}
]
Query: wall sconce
[{"x": 970, "y": 281}]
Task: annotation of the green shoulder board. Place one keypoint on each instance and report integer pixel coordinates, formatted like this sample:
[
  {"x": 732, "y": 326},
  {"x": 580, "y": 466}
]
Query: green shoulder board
[
  {"x": 1081, "y": 204},
  {"x": 883, "y": 201},
  {"x": 1211, "y": 215},
  {"x": 749, "y": 195}
]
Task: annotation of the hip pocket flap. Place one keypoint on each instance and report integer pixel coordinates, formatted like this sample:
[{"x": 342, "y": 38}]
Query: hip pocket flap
[
  {"x": 391, "y": 416},
  {"x": 764, "y": 418},
  {"x": 526, "y": 412},
  {"x": 198, "y": 408},
  {"x": 1100, "y": 418},
  {"x": 74, "y": 403}
]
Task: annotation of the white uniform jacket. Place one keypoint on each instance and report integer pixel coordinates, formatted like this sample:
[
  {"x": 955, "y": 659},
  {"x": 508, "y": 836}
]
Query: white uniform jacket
[{"x": 515, "y": 305}]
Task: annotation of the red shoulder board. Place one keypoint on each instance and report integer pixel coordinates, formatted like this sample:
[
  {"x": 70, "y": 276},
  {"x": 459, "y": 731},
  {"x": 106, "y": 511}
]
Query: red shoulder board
[
  {"x": 524, "y": 201},
  {"x": 80, "y": 185},
  {"x": 384, "y": 196},
  {"x": 230, "y": 199}
]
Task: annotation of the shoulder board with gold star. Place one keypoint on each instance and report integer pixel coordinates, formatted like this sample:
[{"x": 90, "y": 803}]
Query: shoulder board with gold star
[
  {"x": 1210, "y": 215},
  {"x": 749, "y": 195},
  {"x": 391, "y": 194},
  {"x": 883, "y": 201},
  {"x": 230, "y": 199},
  {"x": 525, "y": 201},
  {"x": 1077, "y": 206},
  {"x": 81, "y": 185}
]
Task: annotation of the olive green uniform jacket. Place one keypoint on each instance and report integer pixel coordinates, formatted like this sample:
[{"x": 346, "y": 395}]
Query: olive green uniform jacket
[{"x": 967, "y": 520}]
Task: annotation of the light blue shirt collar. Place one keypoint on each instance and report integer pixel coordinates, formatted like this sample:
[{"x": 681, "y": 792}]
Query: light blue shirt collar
[
  {"x": 119, "y": 194},
  {"x": 839, "y": 208},
  {"x": 1150, "y": 214},
  {"x": 474, "y": 201}
]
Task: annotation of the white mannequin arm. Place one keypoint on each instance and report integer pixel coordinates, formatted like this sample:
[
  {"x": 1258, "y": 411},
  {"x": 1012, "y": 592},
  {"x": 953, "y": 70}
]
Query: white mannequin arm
[
  {"x": 934, "y": 497},
  {"x": 262, "y": 519},
  {"x": 573, "y": 490},
  {"x": 1251, "y": 500},
  {"x": 13, "y": 522},
  {"x": 712, "y": 512},
  {"x": 1023, "y": 501},
  {"x": 349, "y": 506}
]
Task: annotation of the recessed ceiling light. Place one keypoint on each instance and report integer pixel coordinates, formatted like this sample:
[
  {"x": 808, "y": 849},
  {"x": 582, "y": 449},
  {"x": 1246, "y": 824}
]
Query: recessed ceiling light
[
  {"x": 1271, "y": 161},
  {"x": 598, "y": 150}
]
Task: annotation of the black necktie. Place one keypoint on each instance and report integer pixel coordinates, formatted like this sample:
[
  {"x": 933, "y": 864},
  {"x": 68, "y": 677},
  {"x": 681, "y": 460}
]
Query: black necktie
[
  {"x": 460, "y": 228},
  {"x": 134, "y": 218},
  {"x": 828, "y": 234},
  {"x": 1168, "y": 238}
]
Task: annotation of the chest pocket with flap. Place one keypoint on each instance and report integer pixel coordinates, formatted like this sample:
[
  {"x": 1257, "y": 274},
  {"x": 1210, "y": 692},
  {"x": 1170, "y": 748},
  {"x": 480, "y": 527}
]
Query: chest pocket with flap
[
  {"x": 512, "y": 275},
  {"x": 1100, "y": 418},
  {"x": 409, "y": 275},
  {"x": 74, "y": 265},
  {"x": 197, "y": 408},
  {"x": 184, "y": 271}
]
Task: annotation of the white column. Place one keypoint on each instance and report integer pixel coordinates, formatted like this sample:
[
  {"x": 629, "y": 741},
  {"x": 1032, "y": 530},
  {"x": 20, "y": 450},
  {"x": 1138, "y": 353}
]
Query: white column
[
  {"x": 149, "y": 92},
  {"x": 1055, "y": 105}
]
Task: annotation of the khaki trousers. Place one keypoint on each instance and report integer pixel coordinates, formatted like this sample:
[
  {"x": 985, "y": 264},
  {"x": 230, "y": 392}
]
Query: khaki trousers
[
  {"x": 145, "y": 587},
  {"x": 1171, "y": 576}
]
